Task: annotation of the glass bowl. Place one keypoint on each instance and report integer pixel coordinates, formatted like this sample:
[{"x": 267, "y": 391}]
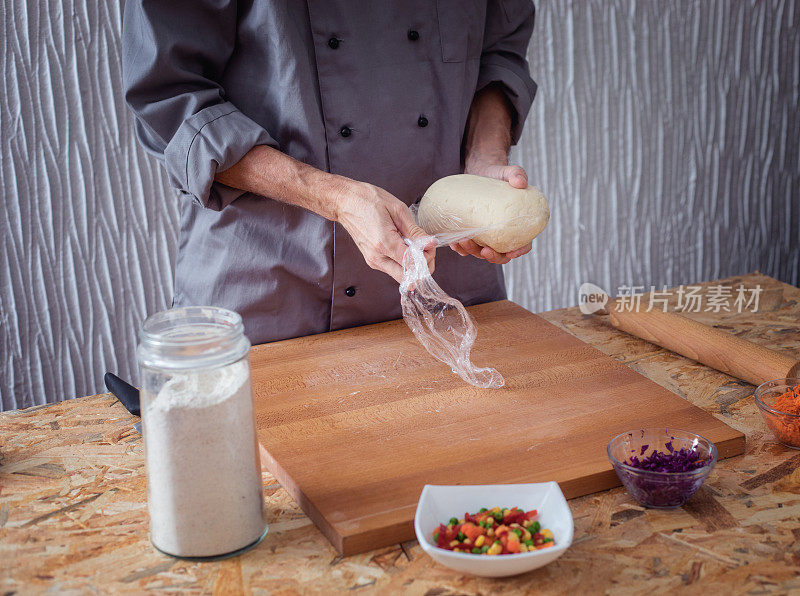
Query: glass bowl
[
  {"x": 784, "y": 425},
  {"x": 660, "y": 490}
]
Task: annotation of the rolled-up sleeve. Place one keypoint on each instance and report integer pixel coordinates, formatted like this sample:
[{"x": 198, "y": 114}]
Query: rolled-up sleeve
[
  {"x": 173, "y": 55},
  {"x": 509, "y": 26}
]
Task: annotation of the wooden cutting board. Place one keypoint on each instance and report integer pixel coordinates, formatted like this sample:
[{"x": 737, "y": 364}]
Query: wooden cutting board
[{"x": 354, "y": 423}]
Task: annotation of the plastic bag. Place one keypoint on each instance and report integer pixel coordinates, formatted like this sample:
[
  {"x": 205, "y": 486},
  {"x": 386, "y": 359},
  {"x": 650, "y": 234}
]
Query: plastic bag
[{"x": 441, "y": 323}]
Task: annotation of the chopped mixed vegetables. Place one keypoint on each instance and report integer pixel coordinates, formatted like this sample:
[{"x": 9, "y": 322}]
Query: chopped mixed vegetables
[{"x": 495, "y": 531}]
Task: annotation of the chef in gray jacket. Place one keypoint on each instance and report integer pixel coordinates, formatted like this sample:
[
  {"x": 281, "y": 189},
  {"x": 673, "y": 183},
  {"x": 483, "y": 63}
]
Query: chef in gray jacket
[{"x": 298, "y": 133}]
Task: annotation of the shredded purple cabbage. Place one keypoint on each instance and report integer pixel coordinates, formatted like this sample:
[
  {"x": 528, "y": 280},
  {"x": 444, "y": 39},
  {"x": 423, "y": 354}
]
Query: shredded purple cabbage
[
  {"x": 682, "y": 460},
  {"x": 663, "y": 491}
]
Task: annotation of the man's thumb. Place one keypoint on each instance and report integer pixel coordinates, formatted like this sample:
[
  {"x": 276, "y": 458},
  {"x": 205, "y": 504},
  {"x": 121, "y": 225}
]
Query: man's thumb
[
  {"x": 414, "y": 231},
  {"x": 407, "y": 226},
  {"x": 516, "y": 176}
]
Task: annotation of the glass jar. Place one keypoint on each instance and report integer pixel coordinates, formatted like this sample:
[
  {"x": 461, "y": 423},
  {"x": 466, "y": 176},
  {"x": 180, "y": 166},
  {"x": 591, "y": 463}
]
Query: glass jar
[{"x": 204, "y": 491}]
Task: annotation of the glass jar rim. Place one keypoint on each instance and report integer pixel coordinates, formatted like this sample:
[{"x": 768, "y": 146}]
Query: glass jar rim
[{"x": 192, "y": 337}]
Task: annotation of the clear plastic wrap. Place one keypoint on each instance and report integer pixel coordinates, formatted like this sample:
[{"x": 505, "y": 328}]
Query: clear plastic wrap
[{"x": 441, "y": 323}]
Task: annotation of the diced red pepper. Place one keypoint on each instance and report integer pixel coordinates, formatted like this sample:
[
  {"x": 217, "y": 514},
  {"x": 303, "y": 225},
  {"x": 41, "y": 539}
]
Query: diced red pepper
[
  {"x": 515, "y": 517},
  {"x": 513, "y": 544},
  {"x": 441, "y": 539},
  {"x": 471, "y": 531}
]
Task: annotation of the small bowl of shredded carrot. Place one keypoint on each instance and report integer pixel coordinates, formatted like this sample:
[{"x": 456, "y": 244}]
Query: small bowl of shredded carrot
[{"x": 779, "y": 402}]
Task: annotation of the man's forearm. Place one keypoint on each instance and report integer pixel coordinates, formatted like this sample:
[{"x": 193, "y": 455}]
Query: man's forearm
[
  {"x": 486, "y": 144},
  {"x": 268, "y": 172},
  {"x": 376, "y": 220},
  {"x": 488, "y": 135}
]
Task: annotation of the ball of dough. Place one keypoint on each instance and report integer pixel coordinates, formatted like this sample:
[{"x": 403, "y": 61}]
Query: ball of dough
[{"x": 514, "y": 216}]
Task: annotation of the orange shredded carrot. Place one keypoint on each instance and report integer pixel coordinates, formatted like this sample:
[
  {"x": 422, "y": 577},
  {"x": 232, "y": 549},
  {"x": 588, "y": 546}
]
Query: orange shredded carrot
[
  {"x": 787, "y": 429},
  {"x": 789, "y": 401}
]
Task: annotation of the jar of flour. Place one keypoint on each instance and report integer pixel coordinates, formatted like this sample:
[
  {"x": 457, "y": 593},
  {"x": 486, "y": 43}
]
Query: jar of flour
[{"x": 204, "y": 489}]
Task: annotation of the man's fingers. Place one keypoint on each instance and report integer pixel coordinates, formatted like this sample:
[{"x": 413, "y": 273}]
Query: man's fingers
[
  {"x": 457, "y": 247},
  {"x": 404, "y": 222},
  {"x": 391, "y": 261},
  {"x": 472, "y": 248},
  {"x": 393, "y": 247},
  {"x": 516, "y": 177},
  {"x": 520, "y": 251},
  {"x": 430, "y": 255},
  {"x": 493, "y": 256},
  {"x": 409, "y": 229},
  {"x": 388, "y": 265}
]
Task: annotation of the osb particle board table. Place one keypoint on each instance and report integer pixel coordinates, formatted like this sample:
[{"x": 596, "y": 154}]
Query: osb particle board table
[{"x": 73, "y": 509}]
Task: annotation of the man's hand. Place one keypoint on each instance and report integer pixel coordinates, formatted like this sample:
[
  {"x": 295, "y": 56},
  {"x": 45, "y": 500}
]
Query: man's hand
[
  {"x": 487, "y": 143},
  {"x": 375, "y": 219},
  {"x": 378, "y": 222},
  {"x": 517, "y": 178}
]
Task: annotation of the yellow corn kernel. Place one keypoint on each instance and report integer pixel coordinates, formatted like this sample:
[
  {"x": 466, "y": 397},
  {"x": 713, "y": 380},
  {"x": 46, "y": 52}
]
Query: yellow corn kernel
[
  {"x": 454, "y": 543},
  {"x": 480, "y": 540},
  {"x": 495, "y": 549},
  {"x": 505, "y": 512},
  {"x": 523, "y": 548},
  {"x": 490, "y": 521},
  {"x": 461, "y": 521},
  {"x": 546, "y": 533},
  {"x": 527, "y": 523},
  {"x": 490, "y": 532},
  {"x": 467, "y": 541}
]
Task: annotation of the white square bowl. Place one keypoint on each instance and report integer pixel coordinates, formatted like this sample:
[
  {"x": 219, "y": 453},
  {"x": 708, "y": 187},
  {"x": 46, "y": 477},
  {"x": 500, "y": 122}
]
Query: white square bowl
[{"x": 437, "y": 504}]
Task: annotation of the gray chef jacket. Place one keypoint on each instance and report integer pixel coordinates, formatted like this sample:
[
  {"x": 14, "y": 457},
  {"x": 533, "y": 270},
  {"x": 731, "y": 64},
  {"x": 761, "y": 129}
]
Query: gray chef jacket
[{"x": 377, "y": 91}]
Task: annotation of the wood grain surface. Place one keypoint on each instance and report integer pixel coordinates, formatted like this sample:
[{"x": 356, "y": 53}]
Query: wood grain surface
[
  {"x": 73, "y": 513},
  {"x": 355, "y": 422}
]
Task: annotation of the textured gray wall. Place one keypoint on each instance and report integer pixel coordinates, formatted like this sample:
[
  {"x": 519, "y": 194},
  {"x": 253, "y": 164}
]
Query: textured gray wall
[
  {"x": 665, "y": 135},
  {"x": 87, "y": 225}
]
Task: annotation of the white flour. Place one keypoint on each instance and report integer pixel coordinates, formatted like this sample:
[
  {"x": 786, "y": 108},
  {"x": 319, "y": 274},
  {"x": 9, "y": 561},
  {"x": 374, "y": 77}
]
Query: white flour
[{"x": 204, "y": 479}]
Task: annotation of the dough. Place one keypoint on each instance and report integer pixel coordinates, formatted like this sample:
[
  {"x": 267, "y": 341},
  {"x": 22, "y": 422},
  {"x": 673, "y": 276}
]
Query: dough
[{"x": 515, "y": 216}]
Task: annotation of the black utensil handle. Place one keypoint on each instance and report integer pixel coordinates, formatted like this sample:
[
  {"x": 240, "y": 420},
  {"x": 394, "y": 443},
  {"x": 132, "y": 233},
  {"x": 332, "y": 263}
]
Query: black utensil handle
[{"x": 127, "y": 394}]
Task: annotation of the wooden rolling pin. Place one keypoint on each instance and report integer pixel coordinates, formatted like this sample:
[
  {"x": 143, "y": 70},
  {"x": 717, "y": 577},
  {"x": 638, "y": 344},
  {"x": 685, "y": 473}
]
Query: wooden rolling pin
[{"x": 725, "y": 352}]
